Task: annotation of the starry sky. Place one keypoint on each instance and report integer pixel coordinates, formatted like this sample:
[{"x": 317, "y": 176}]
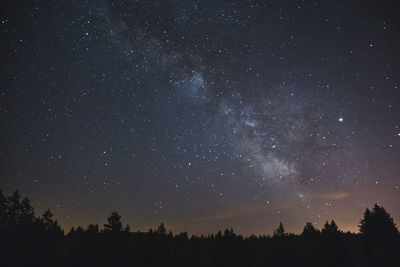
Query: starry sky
[{"x": 202, "y": 114}]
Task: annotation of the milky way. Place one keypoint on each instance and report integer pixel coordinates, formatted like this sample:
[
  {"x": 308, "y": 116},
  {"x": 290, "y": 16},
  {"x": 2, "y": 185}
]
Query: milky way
[{"x": 202, "y": 114}]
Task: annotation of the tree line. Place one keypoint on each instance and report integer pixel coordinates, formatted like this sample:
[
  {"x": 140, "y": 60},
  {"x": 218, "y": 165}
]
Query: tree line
[{"x": 30, "y": 240}]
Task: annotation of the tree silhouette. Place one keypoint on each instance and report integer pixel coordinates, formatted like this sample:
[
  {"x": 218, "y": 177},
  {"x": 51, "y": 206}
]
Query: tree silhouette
[
  {"x": 92, "y": 229},
  {"x": 309, "y": 230},
  {"x": 114, "y": 223},
  {"x": 280, "y": 231},
  {"x": 79, "y": 230},
  {"x": 161, "y": 229},
  {"x": 48, "y": 222},
  {"x": 72, "y": 231},
  {"x": 47, "y": 218},
  {"x": 378, "y": 224},
  {"x": 366, "y": 223},
  {"x": 380, "y": 237},
  {"x": 26, "y": 213},
  {"x": 228, "y": 233},
  {"x": 27, "y": 240},
  {"x": 14, "y": 208},
  {"x": 330, "y": 228},
  {"x": 3, "y": 210}
]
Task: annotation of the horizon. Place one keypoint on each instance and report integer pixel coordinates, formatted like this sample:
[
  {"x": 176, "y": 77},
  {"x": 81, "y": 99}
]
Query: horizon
[{"x": 352, "y": 228}]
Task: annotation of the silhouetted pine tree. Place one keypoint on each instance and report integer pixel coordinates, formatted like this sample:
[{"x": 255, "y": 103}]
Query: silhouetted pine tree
[
  {"x": 114, "y": 223},
  {"x": 280, "y": 231},
  {"x": 310, "y": 231},
  {"x": 3, "y": 210},
  {"x": 161, "y": 229},
  {"x": 330, "y": 228},
  {"x": 92, "y": 229},
  {"x": 14, "y": 208},
  {"x": 381, "y": 237},
  {"x": 378, "y": 224},
  {"x": 26, "y": 213}
]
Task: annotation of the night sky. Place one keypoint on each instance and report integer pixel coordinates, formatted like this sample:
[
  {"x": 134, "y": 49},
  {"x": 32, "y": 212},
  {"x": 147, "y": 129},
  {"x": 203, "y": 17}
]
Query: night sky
[{"x": 202, "y": 114}]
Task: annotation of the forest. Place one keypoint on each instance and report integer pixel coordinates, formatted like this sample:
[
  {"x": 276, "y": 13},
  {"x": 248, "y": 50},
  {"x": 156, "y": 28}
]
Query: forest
[{"x": 30, "y": 240}]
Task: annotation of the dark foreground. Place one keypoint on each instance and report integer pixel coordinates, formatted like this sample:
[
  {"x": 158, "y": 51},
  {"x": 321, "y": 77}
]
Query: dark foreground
[{"x": 27, "y": 240}]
